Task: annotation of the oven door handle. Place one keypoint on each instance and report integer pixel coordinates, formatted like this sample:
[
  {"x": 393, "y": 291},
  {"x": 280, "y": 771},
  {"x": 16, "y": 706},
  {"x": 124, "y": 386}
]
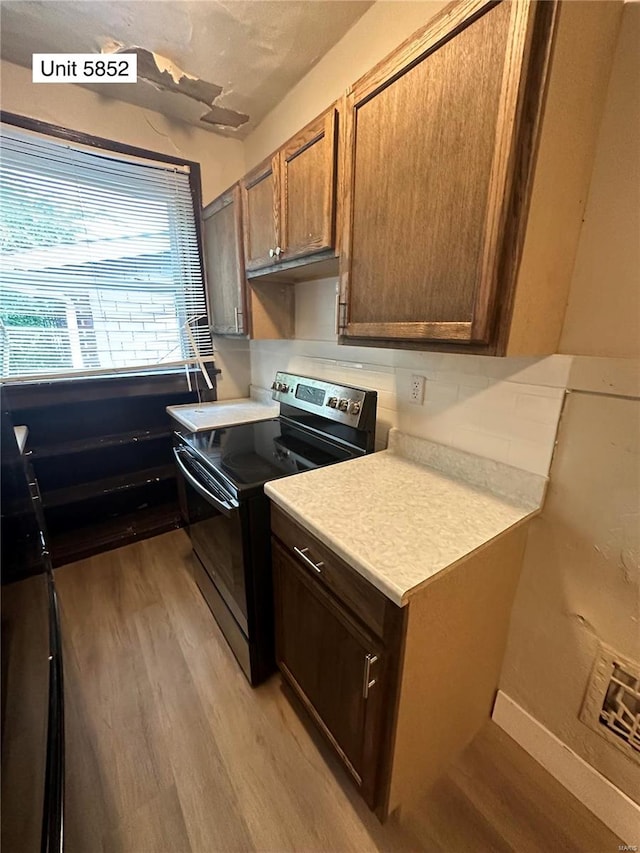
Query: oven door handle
[{"x": 225, "y": 507}]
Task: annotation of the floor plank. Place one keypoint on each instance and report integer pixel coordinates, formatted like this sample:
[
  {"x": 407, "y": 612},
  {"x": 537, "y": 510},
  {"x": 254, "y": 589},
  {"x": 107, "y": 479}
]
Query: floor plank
[{"x": 170, "y": 749}]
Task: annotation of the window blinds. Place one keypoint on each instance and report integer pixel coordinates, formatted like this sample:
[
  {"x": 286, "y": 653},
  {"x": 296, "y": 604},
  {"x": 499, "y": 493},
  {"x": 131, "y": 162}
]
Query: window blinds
[{"x": 101, "y": 262}]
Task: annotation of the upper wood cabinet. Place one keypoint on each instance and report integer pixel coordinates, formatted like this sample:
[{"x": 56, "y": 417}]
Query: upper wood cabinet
[
  {"x": 289, "y": 200},
  {"x": 224, "y": 263},
  {"x": 308, "y": 189},
  {"x": 468, "y": 154},
  {"x": 261, "y": 214},
  {"x": 431, "y": 152}
]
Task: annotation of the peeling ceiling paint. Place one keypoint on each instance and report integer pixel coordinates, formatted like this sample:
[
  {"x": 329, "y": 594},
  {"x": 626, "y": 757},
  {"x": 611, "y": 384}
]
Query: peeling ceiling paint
[
  {"x": 221, "y": 65},
  {"x": 165, "y": 76},
  {"x": 223, "y": 117}
]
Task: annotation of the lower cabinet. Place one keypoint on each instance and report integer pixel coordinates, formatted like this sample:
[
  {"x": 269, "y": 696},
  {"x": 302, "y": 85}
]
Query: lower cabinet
[
  {"x": 335, "y": 666},
  {"x": 398, "y": 692},
  {"x": 337, "y": 646},
  {"x": 101, "y": 451}
]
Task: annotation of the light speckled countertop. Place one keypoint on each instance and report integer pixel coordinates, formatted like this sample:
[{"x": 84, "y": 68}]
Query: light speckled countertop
[
  {"x": 200, "y": 416},
  {"x": 402, "y": 515}
]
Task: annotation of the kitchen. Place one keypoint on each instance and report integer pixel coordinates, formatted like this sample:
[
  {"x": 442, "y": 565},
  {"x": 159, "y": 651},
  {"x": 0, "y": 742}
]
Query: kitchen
[{"x": 502, "y": 408}]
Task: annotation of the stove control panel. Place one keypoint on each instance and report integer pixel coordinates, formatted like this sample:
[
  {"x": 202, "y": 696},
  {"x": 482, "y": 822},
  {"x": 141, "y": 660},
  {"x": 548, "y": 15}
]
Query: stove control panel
[{"x": 343, "y": 403}]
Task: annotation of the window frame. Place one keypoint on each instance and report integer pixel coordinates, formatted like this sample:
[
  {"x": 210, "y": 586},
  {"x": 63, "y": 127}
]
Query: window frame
[{"x": 101, "y": 143}]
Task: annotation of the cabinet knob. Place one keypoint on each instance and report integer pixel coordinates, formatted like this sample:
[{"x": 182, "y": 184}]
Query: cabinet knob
[
  {"x": 278, "y": 251},
  {"x": 272, "y": 252}
]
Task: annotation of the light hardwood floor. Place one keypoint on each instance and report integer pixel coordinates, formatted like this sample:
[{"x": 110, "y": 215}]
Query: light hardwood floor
[{"x": 169, "y": 750}]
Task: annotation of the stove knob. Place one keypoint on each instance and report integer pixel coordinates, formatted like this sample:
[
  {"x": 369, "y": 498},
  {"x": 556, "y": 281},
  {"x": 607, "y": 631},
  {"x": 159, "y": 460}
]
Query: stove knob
[
  {"x": 274, "y": 386},
  {"x": 284, "y": 387},
  {"x": 343, "y": 404},
  {"x": 354, "y": 407},
  {"x": 333, "y": 402}
]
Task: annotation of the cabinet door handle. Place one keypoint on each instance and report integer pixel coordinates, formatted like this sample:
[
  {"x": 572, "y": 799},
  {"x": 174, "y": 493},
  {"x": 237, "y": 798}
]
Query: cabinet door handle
[
  {"x": 272, "y": 252},
  {"x": 341, "y": 313},
  {"x": 367, "y": 681},
  {"x": 302, "y": 553},
  {"x": 278, "y": 251},
  {"x": 237, "y": 314}
]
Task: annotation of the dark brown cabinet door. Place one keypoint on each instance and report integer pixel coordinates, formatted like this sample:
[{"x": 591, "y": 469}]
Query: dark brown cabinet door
[
  {"x": 330, "y": 660},
  {"x": 308, "y": 189},
  {"x": 431, "y": 138},
  {"x": 260, "y": 207},
  {"x": 224, "y": 263}
]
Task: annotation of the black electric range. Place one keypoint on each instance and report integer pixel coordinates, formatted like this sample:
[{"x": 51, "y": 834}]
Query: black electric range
[
  {"x": 245, "y": 456},
  {"x": 221, "y": 480}
]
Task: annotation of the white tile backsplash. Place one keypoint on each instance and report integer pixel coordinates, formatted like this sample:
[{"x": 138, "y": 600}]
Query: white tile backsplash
[
  {"x": 482, "y": 443},
  {"x": 552, "y": 370},
  {"x": 468, "y": 380},
  {"x": 506, "y": 409},
  {"x": 543, "y": 410},
  {"x": 440, "y": 392},
  {"x": 530, "y": 455},
  {"x": 315, "y": 310},
  {"x": 232, "y": 357}
]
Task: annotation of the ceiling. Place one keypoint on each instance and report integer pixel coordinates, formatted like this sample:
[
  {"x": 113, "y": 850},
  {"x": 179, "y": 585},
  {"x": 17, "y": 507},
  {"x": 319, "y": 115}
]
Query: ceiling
[{"x": 220, "y": 65}]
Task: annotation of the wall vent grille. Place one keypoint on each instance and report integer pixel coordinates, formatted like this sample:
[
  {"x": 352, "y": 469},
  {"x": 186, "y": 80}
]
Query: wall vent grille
[
  {"x": 612, "y": 702},
  {"x": 621, "y": 707}
]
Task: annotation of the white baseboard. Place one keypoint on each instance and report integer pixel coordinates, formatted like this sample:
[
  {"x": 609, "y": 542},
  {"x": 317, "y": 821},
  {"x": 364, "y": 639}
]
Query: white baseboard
[{"x": 598, "y": 794}]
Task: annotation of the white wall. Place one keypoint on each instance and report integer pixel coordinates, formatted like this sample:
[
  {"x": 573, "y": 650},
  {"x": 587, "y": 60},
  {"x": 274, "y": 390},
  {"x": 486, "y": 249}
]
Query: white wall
[
  {"x": 381, "y": 29},
  {"x": 603, "y": 314},
  {"x": 504, "y": 409},
  {"x": 222, "y": 160},
  {"x": 581, "y": 576},
  {"x": 71, "y": 106}
]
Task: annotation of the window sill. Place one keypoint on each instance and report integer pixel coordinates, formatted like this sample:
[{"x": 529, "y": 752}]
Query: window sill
[{"x": 25, "y": 395}]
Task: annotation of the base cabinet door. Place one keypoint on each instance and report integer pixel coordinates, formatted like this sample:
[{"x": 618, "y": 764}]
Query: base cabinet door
[{"x": 333, "y": 665}]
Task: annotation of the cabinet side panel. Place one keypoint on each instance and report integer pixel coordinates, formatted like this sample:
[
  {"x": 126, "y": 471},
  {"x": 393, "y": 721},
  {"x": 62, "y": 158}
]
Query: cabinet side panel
[
  {"x": 456, "y": 635},
  {"x": 271, "y": 310},
  {"x": 423, "y": 153},
  {"x": 579, "y": 73}
]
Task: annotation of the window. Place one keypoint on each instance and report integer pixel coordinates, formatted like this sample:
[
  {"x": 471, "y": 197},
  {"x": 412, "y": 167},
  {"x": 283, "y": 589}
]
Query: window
[{"x": 101, "y": 261}]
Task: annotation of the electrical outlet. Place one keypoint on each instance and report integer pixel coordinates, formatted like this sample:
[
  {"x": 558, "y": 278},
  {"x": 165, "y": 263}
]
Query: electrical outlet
[{"x": 416, "y": 394}]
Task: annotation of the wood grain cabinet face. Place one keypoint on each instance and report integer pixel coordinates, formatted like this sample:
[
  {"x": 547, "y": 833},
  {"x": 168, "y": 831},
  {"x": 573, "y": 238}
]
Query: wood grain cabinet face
[
  {"x": 322, "y": 653},
  {"x": 260, "y": 207},
  {"x": 308, "y": 189},
  {"x": 224, "y": 263},
  {"x": 289, "y": 200},
  {"x": 430, "y": 137}
]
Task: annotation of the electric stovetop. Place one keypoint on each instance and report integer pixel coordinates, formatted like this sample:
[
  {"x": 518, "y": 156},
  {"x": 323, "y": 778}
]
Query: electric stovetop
[{"x": 244, "y": 457}]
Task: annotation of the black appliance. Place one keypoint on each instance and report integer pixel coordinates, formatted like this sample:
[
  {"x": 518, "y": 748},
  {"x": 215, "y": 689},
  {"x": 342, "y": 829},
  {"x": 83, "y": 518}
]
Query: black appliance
[
  {"x": 222, "y": 473},
  {"x": 32, "y": 685}
]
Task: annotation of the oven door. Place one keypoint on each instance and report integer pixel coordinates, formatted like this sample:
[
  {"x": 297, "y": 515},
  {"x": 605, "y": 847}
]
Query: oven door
[{"x": 215, "y": 525}]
